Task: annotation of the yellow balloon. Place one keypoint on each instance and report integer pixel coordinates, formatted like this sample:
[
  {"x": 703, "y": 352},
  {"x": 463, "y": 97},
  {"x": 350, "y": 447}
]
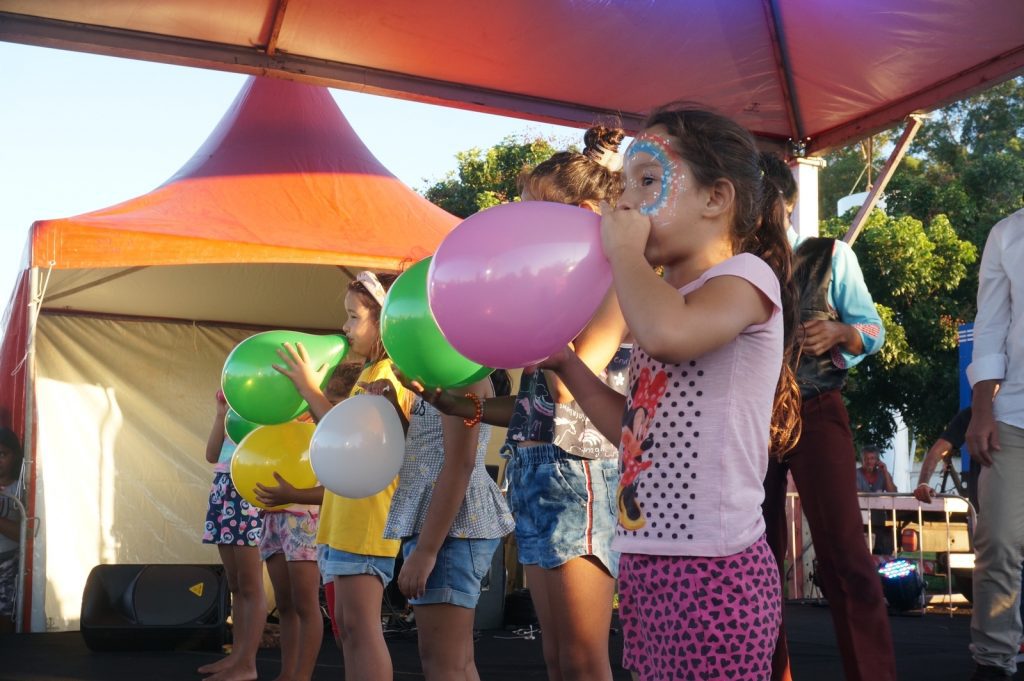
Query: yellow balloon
[{"x": 283, "y": 449}]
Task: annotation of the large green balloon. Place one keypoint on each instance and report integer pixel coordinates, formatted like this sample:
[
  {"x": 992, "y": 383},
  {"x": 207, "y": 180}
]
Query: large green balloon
[
  {"x": 257, "y": 392},
  {"x": 236, "y": 427},
  {"x": 413, "y": 340}
]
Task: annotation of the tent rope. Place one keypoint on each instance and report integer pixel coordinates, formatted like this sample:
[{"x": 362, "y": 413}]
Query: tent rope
[{"x": 35, "y": 306}]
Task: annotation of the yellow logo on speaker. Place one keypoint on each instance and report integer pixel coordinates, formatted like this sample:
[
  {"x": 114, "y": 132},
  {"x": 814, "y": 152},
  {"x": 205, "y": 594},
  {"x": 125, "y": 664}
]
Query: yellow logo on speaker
[{"x": 197, "y": 589}]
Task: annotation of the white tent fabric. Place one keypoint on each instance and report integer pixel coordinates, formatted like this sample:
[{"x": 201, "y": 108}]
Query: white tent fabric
[{"x": 121, "y": 443}]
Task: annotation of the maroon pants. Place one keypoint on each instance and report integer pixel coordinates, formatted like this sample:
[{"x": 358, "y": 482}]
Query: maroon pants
[{"x": 823, "y": 467}]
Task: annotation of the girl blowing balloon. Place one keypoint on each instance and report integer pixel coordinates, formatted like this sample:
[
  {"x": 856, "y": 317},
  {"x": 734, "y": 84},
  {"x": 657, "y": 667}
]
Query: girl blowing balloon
[
  {"x": 710, "y": 394},
  {"x": 356, "y": 561},
  {"x": 562, "y": 474}
]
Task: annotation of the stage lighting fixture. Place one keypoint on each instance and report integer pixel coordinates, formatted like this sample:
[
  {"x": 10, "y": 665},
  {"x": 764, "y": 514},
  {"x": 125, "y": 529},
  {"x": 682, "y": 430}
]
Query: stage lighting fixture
[{"x": 902, "y": 584}]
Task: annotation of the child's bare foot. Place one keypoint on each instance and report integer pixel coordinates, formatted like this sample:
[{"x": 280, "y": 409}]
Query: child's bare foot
[
  {"x": 236, "y": 673},
  {"x": 214, "y": 667}
]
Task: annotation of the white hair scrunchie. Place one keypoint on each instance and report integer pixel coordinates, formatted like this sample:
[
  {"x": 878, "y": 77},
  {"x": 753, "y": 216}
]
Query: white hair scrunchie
[
  {"x": 373, "y": 286},
  {"x": 612, "y": 160}
]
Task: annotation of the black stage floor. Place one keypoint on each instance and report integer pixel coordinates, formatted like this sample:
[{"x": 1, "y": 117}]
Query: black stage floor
[{"x": 932, "y": 647}]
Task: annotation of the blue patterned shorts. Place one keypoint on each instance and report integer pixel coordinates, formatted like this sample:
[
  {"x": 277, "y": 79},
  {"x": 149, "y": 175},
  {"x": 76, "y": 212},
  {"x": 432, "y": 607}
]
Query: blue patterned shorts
[{"x": 231, "y": 519}]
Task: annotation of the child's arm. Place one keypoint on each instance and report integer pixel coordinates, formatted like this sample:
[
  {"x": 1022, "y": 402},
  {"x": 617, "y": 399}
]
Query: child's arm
[
  {"x": 672, "y": 328},
  {"x": 596, "y": 344},
  {"x": 460, "y": 445},
  {"x": 924, "y": 492},
  {"x": 601, "y": 403},
  {"x": 497, "y": 411},
  {"x": 216, "y": 439},
  {"x": 306, "y": 378},
  {"x": 285, "y": 493}
]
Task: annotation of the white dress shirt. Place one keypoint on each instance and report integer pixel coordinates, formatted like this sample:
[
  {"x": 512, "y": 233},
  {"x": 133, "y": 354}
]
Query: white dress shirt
[{"x": 999, "y": 326}]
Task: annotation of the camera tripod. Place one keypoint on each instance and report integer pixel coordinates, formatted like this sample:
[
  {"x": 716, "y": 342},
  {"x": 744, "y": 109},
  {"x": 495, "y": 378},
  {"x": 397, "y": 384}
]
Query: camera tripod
[{"x": 949, "y": 473}]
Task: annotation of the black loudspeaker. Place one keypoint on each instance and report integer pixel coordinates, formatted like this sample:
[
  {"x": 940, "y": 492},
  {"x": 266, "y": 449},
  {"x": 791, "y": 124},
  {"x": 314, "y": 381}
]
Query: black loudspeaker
[
  {"x": 490, "y": 609},
  {"x": 155, "y": 607}
]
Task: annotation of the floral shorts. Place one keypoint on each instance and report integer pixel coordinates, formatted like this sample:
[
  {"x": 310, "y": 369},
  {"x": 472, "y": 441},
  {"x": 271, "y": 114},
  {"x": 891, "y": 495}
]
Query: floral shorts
[
  {"x": 293, "y": 534},
  {"x": 231, "y": 519}
]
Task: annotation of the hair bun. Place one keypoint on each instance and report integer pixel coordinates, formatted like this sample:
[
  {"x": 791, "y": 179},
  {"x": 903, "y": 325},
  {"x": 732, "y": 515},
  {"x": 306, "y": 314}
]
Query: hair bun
[
  {"x": 600, "y": 137},
  {"x": 601, "y": 145}
]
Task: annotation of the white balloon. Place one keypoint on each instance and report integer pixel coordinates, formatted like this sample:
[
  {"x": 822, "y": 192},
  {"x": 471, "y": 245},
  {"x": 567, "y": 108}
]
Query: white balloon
[{"x": 358, "y": 446}]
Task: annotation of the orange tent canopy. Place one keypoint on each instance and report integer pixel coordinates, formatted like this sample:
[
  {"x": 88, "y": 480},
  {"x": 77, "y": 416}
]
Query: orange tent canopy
[
  {"x": 282, "y": 179},
  {"x": 123, "y": 316}
]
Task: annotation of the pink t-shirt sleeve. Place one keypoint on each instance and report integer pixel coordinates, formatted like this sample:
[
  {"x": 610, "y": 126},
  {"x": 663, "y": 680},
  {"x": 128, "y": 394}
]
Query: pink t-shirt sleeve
[{"x": 753, "y": 269}]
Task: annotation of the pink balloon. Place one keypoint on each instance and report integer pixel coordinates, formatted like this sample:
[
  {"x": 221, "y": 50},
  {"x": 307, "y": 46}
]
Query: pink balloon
[{"x": 513, "y": 284}]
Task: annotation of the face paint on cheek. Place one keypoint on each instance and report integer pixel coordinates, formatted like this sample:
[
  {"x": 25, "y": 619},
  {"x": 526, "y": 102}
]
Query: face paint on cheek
[{"x": 659, "y": 149}]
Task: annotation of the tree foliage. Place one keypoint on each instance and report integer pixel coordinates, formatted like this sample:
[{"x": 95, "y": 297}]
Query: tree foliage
[
  {"x": 963, "y": 173},
  {"x": 914, "y": 273},
  {"x": 486, "y": 178},
  {"x": 971, "y": 163}
]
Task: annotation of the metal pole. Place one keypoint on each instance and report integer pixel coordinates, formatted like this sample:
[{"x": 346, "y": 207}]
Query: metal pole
[
  {"x": 18, "y": 591},
  {"x": 792, "y": 533},
  {"x": 895, "y": 539},
  {"x": 949, "y": 561},
  {"x": 26, "y": 564},
  {"x": 914, "y": 122},
  {"x": 920, "y": 544}
]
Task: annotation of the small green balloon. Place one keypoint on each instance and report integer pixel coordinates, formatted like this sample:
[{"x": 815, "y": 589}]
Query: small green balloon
[
  {"x": 413, "y": 340},
  {"x": 259, "y": 393},
  {"x": 236, "y": 427}
]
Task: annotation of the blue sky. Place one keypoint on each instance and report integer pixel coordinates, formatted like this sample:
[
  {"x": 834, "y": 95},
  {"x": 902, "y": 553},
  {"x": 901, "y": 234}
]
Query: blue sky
[{"x": 81, "y": 132}]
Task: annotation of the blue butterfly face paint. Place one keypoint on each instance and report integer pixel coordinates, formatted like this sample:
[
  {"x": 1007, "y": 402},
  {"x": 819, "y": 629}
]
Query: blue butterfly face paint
[{"x": 658, "y": 177}]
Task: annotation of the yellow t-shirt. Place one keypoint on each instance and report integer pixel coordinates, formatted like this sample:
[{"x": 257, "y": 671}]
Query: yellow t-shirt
[{"x": 357, "y": 525}]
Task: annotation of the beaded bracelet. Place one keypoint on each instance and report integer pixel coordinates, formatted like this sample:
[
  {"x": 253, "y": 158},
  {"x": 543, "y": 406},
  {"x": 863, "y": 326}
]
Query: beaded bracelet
[{"x": 479, "y": 411}]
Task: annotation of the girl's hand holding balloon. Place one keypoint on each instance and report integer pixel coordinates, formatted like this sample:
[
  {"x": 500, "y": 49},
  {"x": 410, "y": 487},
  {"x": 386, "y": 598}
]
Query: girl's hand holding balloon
[
  {"x": 555, "y": 362},
  {"x": 382, "y": 387},
  {"x": 386, "y": 389},
  {"x": 297, "y": 367},
  {"x": 412, "y": 579},
  {"x": 279, "y": 495},
  {"x": 623, "y": 231},
  {"x": 440, "y": 399}
]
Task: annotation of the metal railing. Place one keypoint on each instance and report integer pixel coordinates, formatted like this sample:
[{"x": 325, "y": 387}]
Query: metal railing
[{"x": 944, "y": 505}]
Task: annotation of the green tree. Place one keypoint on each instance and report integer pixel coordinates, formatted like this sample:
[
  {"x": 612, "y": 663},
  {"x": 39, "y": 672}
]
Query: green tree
[
  {"x": 969, "y": 163},
  {"x": 963, "y": 173},
  {"x": 914, "y": 272},
  {"x": 486, "y": 178}
]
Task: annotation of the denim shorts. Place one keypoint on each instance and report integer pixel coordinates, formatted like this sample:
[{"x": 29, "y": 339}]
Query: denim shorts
[
  {"x": 564, "y": 506},
  {"x": 461, "y": 566},
  {"x": 336, "y": 563}
]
